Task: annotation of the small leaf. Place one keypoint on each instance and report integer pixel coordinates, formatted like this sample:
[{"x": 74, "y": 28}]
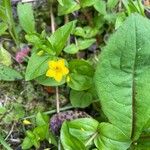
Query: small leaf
[
  {"x": 37, "y": 66},
  {"x": 68, "y": 7},
  {"x": 81, "y": 99},
  {"x": 5, "y": 57},
  {"x": 86, "y": 3},
  {"x": 26, "y": 18},
  {"x": 71, "y": 49},
  {"x": 41, "y": 119},
  {"x": 83, "y": 129},
  {"x": 112, "y": 3},
  {"x": 27, "y": 143},
  {"x": 8, "y": 74},
  {"x": 68, "y": 141},
  {"x": 59, "y": 38},
  {"x": 3, "y": 28},
  {"x": 83, "y": 44},
  {"x": 100, "y": 6}
]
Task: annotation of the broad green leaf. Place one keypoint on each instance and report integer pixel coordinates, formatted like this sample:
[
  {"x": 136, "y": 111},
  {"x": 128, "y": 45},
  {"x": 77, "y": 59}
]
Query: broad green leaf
[
  {"x": 68, "y": 141},
  {"x": 86, "y": 3},
  {"x": 3, "y": 28},
  {"x": 5, "y": 57},
  {"x": 68, "y": 7},
  {"x": 26, "y": 18},
  {"x": 100, "y": 6},
  {"x": 9, "y": 74},
  {"x": 111, "y": 138},
  {"x": 37, "y": 66},
  {"x": 59, "y": 38},
  {"x": 81, "y": 99},
  {"x": 123, "y": 77}
]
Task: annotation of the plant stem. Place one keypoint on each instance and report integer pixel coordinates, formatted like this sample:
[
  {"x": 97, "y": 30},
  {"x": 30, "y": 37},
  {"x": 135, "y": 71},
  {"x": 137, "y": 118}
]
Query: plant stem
[
  {"x": 57, "y": 100},
  {"x": 57, "y": 90},
  {"x": 50, "y": 112},
  {"x": 91, "y": 139}
]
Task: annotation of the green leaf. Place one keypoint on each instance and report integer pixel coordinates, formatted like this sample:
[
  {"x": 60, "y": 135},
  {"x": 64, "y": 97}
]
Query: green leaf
[
  {"x": 80, "y": 99},
  {"x": 83, "y": 44},
  {"x": 100, "y": 6},
  {"x": 42, "y": 131},
  {"x": 4, "y": 144},
  {"x": 112, "y": 3},
  {"x": 120, "y": 19},
  {"x": 41, "y": 119},
  {"x": 123, "y": 77},
  {"x": 34, "y": 138},
  {"x": 87, "y": 3},
  {"x": 5, "y": 57},
  {"x": 71, "y": 49},
  {"x": 59, "y": 38},
  {"x": 81, "y": 75},
  {"x": 8, "y": 18},
  {"x": 27, "y": 143},
  {"x": 68, "y": 141},
  {"x": 68, "y": 7},
  {"x": 60, "y": 2},
  {"x": 3, "y": 28},
  {"x": 9, "y": 74},
  {"x": 111, "y": 137},
  {"x": 83, "y": 129},
  {"x": 37, "y": 66},
  {"x": 26, "y": 18},
  {"x": 48, "y": 81}
]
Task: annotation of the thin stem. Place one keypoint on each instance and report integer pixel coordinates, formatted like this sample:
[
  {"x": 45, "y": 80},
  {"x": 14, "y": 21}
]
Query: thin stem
[
  {"x": 50, "y": 112},
  {"x": 57, "y": 100},
  {"x": 52, "y": 19}
]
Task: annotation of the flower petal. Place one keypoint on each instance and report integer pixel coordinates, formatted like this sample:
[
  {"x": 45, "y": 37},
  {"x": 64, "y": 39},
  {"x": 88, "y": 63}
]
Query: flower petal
[
  {"x": 61, "y": 62},
  {"x": 52, "y": 64},
  {"x": 50, "y": 73},
  {"x": 58, "y": 77},
  {"x": 65, "y": 70}
]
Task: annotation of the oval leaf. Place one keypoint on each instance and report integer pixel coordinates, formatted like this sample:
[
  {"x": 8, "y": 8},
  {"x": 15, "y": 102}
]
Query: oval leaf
[{"x": 123, "y": 76}]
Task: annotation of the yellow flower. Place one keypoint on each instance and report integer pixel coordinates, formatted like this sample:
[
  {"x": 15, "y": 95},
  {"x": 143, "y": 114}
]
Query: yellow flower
[
  {"x": 26, "y": 122},
  {"x": 57, "y": 69}
]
